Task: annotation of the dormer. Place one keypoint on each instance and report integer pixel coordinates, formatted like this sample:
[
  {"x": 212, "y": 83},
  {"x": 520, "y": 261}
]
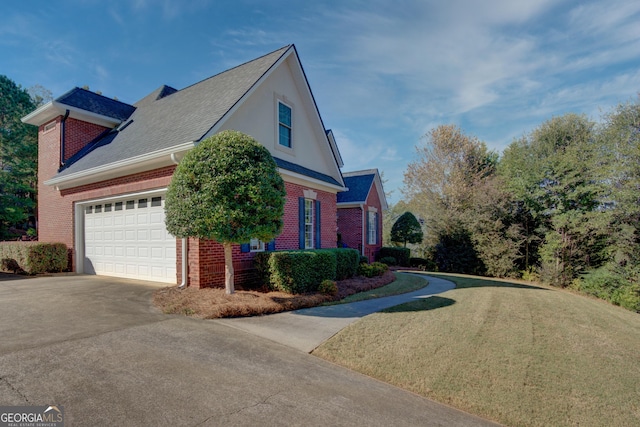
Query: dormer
[{"x": 80, "y": 116}]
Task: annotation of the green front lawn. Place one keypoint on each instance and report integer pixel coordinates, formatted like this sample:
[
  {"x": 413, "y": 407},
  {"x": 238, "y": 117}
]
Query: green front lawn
[{"x": 518, "y": 354}]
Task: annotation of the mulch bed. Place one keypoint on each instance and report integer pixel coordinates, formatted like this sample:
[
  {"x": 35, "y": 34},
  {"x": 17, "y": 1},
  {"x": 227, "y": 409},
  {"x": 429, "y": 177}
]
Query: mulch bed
[{"x": 211, "y": 303}]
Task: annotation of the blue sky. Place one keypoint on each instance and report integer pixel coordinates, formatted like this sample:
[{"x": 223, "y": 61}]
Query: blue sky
[{"x": 383, "y": 72}]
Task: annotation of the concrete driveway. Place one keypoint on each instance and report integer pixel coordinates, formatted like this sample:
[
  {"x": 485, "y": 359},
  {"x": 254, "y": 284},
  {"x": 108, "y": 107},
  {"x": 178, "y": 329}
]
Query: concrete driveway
[{"x": 98, "y": 348}]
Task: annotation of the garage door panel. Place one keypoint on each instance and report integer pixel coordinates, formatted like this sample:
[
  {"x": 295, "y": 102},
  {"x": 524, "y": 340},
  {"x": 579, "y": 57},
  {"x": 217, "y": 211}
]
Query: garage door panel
[{"x": 128, "y": 238}]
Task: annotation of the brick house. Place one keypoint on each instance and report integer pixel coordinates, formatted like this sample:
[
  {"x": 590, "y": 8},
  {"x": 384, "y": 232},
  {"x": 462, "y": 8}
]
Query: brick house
[
  {"x": 360, "y": 211},
  {"x": 104, "y": 167}
]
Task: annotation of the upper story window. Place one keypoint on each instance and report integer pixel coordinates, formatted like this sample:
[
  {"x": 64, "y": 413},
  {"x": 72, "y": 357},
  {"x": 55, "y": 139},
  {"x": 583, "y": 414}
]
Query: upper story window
[{"x": 284, "y": 125}]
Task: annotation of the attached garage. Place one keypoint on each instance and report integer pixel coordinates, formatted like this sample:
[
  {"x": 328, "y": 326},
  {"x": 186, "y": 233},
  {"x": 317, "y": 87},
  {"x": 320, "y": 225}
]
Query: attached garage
[{"x": 127, "y": 237}]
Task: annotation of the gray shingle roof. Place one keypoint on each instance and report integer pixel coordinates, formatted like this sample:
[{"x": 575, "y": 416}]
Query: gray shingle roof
[
  {"x": 167, "y": 118},
  {"x": 305, "y": 171},
  {"x": 359, "y": 187},
  {"x": 89, "y": 101}
]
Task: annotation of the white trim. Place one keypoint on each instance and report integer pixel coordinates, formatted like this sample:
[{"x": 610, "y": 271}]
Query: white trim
[
  {"x": 53, "y": 109},
  {"x": 306, "y": 180},
  {"x": 79, "y": 226},
  {"x": 310, "y": 194},
  {"x": 281, "y": 99},
  {"x": 216, "y": 127},
  {"x": 372, "y": 209},
  {"x": 123, "y": 196},
  {"x": 143, "y": 163}
]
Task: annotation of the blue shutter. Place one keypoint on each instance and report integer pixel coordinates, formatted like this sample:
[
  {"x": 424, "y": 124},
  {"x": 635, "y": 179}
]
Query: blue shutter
[
  {"x": 271, "y": 246},
  {"x": 318, "y": 222},
  {"x": 301, "y": 222},
  {"x": 245, "y": 247},
  {"x": 366, "y": 236}
]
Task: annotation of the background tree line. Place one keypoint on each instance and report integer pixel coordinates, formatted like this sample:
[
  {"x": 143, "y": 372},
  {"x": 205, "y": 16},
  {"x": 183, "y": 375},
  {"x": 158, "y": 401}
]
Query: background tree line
[
  {"x": 18, "y": 157},
  {"x": 560, "y": 205}
]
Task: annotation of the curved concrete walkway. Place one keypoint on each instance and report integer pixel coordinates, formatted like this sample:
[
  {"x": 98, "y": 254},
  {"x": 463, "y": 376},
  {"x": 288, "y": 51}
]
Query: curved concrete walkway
[{"x": 306, "y": 329}]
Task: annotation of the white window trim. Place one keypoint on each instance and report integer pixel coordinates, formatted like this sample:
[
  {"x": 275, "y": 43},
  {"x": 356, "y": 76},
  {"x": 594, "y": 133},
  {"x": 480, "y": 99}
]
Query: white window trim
[
  {"x": 373, "y": 231},
  {"x": 309, "y": 204},
  {"x": 280, "y": 99},
  {"x": 260, "y": 248}
]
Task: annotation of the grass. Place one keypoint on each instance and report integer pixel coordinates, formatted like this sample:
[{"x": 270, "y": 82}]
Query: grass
[
  {"x": 519, "y": 354},
  {"x": 403, "y": 284}
]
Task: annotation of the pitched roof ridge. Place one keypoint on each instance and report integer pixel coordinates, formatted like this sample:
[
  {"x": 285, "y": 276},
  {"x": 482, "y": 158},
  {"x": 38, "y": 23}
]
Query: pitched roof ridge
[
  {"x": 283, "y": 49},
  {"x": 106, "y": 98}
]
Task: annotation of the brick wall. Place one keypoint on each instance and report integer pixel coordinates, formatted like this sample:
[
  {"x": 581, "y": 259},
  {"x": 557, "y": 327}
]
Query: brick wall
[
  {"x": 78, "y": 134},
  {"x": 205, "y": 258},
  {"x": 350, "y": 227},
  {"x": 373, "y": 200},
  {"x": 55, "y": 208}
]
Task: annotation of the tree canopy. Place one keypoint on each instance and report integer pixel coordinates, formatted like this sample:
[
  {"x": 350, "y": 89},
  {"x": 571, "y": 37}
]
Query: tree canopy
[
  {"x": 18, "y": 156},
  {"x": 406, "y": 229},
  {"x": 561, "y": 204},
  {"x": 227, "y": 189}
]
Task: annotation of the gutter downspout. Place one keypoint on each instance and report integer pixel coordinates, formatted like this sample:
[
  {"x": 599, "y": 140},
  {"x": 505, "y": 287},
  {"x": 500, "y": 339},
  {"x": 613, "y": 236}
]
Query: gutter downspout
[
  {"x": 62, "y": 137},
  {"x": 364, "y": 228},
  {"x": 185, "y": 247},
  {"x": 185, "y": 259}
]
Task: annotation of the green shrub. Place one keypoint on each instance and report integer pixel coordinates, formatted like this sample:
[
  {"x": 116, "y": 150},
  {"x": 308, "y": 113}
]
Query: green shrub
[
  {"x": 388, "y": 260},
  {"x": 422, "y": 263},
  {"x": 299, "y": 272},
  {"x": 346, "y": 262},
  {"x": 261, "y": 264},
  {"x": 363, "y": 260},
  {"x": 328, "y": 287},
  {"x": 610, "y": 286},
  {"x": 33, "y": 257},
  {"x": 400, "y": 254},
  {"x": 372, "y": 270}
]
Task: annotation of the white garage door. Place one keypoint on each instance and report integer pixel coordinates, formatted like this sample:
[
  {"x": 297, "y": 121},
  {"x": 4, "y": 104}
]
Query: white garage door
[{"x": 128, "y": 238}]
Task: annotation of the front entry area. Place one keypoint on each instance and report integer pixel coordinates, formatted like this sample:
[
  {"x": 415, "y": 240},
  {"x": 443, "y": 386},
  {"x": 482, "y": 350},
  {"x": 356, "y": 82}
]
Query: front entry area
[{"x": 127, "y": 238}]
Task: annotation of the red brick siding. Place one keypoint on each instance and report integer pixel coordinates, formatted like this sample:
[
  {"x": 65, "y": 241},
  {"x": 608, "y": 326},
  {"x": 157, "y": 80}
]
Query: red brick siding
[
  {"x": 205, "y": 258},
  {"x": 290, "y": 236},
  {"x": 78, "y": 134},
  {"x": 350, "y": 227},
  {"x": 373, "y": 200}
]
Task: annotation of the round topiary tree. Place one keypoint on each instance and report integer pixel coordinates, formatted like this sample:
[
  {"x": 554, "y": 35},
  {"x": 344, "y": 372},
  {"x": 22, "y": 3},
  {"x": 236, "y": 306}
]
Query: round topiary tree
[
  {"x": 226, "y": 189},
  {"x": 406, "y": 229}
]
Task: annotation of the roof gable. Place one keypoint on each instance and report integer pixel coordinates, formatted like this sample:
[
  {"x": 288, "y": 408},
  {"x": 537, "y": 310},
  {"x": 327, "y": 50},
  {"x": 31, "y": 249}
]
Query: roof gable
[
  {"x": 177, "y": 118},
  {"x": 360, "y": 184}
]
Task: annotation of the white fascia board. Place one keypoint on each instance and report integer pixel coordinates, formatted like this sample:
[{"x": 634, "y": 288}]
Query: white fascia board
[
  {"x": 349, "y": 205},
  {"x": 298, "y": 178},
  {"x": 129, "y": 166},
  {"x": 53, "y": 109},
  {"x": 383, "y": 198},
  {"x": 334, "y": 148}
]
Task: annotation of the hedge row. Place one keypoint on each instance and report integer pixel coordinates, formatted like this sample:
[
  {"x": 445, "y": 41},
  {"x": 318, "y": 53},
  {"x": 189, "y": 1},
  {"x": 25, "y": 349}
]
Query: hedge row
[
  {"x": 33, "y": 257},
  {"x": 401, "y": 255},
  {"x": 299, "y": 272}
]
